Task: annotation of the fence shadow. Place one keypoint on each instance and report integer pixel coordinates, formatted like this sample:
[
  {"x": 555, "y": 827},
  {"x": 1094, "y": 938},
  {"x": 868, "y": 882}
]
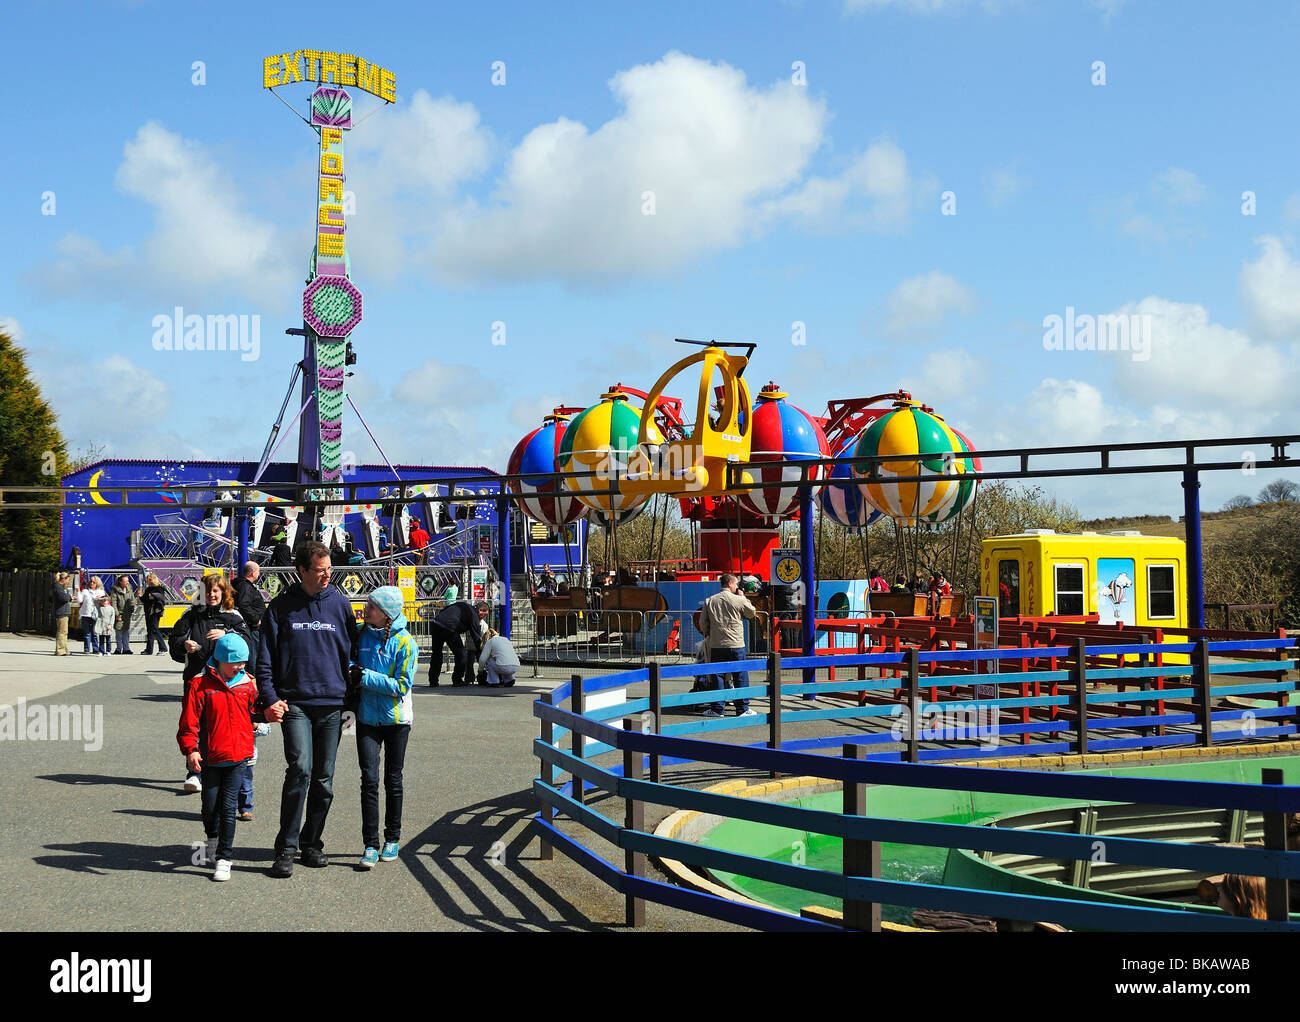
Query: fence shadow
[{"x": 478, "y": 857}]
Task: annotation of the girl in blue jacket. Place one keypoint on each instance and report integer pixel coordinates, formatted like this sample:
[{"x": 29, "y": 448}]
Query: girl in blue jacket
[{"x": 388, "y": 661}]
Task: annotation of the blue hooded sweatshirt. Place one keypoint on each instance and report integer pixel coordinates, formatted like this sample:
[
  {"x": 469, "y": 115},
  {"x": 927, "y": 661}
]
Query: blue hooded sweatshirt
[
  {"x": 388, "y": 672},
  {"x": 306, "y": 647}
]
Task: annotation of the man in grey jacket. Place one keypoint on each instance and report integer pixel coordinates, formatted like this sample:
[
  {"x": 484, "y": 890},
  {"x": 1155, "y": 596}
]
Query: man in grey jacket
[{"x": 722, "y": 622}]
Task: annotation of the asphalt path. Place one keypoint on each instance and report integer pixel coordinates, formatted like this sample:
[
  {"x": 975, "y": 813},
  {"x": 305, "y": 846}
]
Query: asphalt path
[{"x": 97, "y": 835}]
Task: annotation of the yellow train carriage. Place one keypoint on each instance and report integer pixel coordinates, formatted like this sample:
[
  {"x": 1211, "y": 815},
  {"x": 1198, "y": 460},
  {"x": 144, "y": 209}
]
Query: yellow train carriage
[{"x": 1120, "y": 576}]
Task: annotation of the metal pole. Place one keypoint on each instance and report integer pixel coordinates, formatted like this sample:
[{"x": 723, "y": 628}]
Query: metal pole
[
  {"x": 577, "y": 703},
  {"x": 912, "y": 753},
  {"x": 503, "y": 538},
  {"x": 241, "y": 529},
  {"x": 656, "y": 712},
  {"x": 1277, "y": 893},
  {"x": 807, "y": 570},
  {"x": 774, "y": 702},
  {"x": 1192, "y": 533},
  {"x": 633, "y": 819},
  {"x": 861, "y": 858},
  {"x": 546, "y": 852},
  {"x": 1081, "y": 694},
  {"x": 1201, "y": 681}
]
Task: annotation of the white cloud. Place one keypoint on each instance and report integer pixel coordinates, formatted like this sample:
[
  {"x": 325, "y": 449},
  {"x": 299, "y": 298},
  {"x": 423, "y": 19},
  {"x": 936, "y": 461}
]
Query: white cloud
[
  {"x": 1003, "y": 184},
  {"x": 404, "y": 167},
  {"x": 1291, "y": 208},
  {"x": 11, "y": 326},
  {"x": 572, "y": 203},
  {"x": 203, "y": 240},
  {"x": 1179, "y": 187},
  {"x": 1270, "y": 290},
  {"x": 921, "y": 304},
  {"x": 1071, "y": 412},
  {"x": 1193, "y": 360},
  {"x": 946, "y": 376},
  {"x": 875, "y": 192}
]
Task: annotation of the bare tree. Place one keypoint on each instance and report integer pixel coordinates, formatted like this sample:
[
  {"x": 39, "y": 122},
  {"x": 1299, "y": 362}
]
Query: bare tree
[
  {"x": 1279, "y": 489},
  {"x": 1238, "y": 502}
]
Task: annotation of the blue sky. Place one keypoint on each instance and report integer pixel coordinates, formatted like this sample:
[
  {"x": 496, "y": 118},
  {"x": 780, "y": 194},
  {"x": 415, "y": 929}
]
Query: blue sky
[{"x": 775, "y": 202}]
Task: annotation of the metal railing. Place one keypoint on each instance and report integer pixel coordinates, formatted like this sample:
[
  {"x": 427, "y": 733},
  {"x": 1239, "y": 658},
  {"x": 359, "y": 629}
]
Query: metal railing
[{"x": 591, "y": 737}]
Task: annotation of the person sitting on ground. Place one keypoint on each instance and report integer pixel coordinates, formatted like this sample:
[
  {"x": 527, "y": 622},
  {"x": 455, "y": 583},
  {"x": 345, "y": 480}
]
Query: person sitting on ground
[
  {"x": 453, "y": 621},
  {"x": 499, "y": 660},
  {"x": 388, "y": 660},
  {"x": 216, "y": 737}
]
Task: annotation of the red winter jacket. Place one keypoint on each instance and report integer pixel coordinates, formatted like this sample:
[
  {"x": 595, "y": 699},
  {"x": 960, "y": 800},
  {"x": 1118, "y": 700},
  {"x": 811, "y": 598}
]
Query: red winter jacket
[{"x": 217, "y": 719}]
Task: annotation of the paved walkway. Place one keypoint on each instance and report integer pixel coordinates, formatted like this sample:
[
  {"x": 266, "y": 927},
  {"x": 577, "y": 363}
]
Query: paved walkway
[{"x": 98, "y": 836}]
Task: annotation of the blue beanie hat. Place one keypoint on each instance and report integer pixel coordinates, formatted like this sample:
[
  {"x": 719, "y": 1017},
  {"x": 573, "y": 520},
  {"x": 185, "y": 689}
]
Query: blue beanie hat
[
  {"x": 230, "y": 649},
  {"x": 388, "y": 599}
]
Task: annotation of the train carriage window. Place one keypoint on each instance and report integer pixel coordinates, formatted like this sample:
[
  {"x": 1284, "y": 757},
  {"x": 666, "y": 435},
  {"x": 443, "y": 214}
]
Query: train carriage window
[
  {"x": 1161, "y": 595},
  {"x": 1008, "y": 588},
  {"x": 1069, "y": 590}
]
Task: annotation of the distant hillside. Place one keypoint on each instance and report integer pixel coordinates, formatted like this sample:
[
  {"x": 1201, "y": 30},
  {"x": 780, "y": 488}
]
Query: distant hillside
[{"x": 1216, "y": 526}]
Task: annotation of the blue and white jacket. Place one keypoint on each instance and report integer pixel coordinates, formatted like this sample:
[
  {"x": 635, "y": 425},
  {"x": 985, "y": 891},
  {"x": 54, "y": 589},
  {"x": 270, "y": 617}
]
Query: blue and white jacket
[{"x": 388, "y": 672}]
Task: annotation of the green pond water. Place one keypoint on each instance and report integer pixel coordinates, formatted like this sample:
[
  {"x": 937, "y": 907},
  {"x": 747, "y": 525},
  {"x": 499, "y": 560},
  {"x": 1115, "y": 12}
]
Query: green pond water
[{"x": 920, "y": 863}]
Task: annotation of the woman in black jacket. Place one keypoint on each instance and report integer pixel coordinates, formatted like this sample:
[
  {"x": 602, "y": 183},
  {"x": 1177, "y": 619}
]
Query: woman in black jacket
[
  {"x": 195, "y": 635},
  {"x": 154, "y": 596}
]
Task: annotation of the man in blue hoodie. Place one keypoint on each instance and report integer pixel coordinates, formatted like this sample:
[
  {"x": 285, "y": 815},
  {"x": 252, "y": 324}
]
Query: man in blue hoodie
[{"x": 308, "y": 633}]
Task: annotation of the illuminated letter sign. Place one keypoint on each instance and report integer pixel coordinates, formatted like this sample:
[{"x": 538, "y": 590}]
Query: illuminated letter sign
[{"x": 329, "y": 68}]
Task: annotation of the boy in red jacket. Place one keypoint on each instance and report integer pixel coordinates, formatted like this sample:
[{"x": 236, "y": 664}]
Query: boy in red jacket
[{"x": 216, "y": 737}]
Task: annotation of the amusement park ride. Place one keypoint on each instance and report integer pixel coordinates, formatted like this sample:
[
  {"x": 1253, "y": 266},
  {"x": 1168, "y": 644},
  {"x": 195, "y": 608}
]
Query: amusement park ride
[{"x": 739, "y": 467}]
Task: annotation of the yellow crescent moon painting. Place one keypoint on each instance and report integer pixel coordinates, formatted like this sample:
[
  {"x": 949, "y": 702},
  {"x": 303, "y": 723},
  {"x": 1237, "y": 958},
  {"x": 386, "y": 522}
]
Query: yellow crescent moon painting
[{"x": 94, "y": 495}]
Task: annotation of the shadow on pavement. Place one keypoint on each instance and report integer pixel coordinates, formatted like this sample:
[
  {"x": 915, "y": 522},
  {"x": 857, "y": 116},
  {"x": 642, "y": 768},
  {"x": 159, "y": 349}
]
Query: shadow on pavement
[
  {"x": 165, "y": 814},
  {"x": 473, "y": 851},
  {"x": 159, "y": 697},
  {"x": 102, "y": 857},
  {"x": 171, "y": 786}
]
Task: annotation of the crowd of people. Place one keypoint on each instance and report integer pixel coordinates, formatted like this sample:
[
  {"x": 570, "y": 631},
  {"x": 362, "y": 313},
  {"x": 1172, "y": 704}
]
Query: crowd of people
[{"x": 300, "y": 661}]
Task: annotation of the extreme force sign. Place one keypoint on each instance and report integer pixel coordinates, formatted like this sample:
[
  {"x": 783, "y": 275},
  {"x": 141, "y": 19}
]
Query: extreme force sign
[{"x": 329, "y": 68}]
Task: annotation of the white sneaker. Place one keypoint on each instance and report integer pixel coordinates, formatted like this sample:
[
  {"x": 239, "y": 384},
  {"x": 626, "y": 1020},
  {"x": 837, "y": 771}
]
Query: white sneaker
[
  {"x": 222, "y": 872},
  {"x": 193, "y": 784},
  {"x": 748, "y": 713},
  {"x": 209, "y": 851}
]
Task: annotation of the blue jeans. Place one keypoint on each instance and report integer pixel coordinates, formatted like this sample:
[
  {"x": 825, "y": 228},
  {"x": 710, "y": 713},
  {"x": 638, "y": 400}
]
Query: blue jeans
[
  {"x": 736, "y": 679},
  {"x": 220, "y": 785},
  {"x": 151, "y": 626},
  {"x": 88, "y": 635},
  {"x": 311, "y": 741},
  {"x": 123, "y": 640},
  {"x": 392, "y": 739},
  {"x": 246, "y": 790}
]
